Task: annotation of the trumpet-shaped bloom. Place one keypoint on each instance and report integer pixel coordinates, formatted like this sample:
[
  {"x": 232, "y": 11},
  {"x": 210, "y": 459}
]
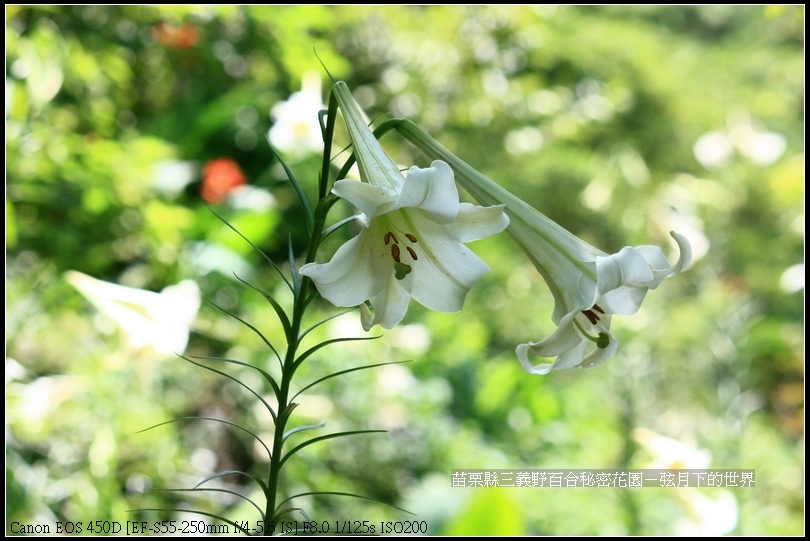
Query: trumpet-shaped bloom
[
  {"x": 411, "y": 240},
  {"x": 589, "y": 285},
  {"x": 157, "y": 321}
]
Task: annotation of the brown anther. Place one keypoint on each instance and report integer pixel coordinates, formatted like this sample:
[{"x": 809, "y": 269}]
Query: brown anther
[
  {"x": 410, "y": 238},
  {"x": 598, "y": 309},
  {"x": 395, "y": 253},
  {"x": 593, "y": 318},
  {"x": 412, "y": 252},
  {"x": 388, "y": 237}
]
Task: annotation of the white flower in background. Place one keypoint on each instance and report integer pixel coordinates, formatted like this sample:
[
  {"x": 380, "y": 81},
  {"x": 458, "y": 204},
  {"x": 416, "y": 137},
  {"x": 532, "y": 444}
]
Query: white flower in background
[
  {"x": 704, "y": 516},
  {"x": 296, "y": 130},
  {"x": 411, "y": 241},
  {"x": 713, "y": 150},
  {"x": 589, "y": 285},
  {"x": 160, "y": 321},
  {"x": 792, "y": 279},
  {"x": 763, "y": 148},
  {"x": 172, "y": 176},
  {"x": 671, "y": 454},
  {"x": 707, "y": 516}
]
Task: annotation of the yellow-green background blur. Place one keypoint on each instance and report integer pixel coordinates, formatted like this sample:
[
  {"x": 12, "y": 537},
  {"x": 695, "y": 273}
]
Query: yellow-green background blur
[{"x": 619, "y": 123}]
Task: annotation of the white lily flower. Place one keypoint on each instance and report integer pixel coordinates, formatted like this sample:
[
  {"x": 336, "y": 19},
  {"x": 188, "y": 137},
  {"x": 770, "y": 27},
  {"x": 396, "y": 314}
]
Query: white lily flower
[
  {"x": 157, "y": 321},
  {"x": 296, "y": 130},
  {"x": 589, "y": 285},
  {"x": 411, "y": 241}
]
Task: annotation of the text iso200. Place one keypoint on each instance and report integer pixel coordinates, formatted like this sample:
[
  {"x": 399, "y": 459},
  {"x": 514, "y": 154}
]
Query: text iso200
[{"x": 404, "y": 527}]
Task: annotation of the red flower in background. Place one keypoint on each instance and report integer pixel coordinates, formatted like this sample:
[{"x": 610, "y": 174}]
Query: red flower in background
[
  {"x": 176, "y": 37},
  {"x": 220, "y": 176}
]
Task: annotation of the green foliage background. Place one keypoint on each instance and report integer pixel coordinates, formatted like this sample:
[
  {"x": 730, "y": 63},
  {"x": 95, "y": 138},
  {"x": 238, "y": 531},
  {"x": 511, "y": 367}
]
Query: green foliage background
[{"x": 591, "y": 114}]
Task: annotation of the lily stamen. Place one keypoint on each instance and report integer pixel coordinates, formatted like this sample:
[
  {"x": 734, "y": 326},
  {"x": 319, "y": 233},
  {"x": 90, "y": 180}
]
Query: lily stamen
[
  {"x": 593, "y": 318},
  {"x": 602, "y": 340}
]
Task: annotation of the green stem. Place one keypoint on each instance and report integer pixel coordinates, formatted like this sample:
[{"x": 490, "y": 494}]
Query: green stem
[
  {"x": 329, "y": 132},
  {"x": 285, "y": 406}
]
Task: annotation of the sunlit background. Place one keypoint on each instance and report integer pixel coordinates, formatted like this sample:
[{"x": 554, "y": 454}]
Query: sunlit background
[{"x": 125, "y": 125}]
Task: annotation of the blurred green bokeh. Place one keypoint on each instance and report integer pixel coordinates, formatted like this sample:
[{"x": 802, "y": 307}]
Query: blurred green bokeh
[{"x": 621, "y": 123}]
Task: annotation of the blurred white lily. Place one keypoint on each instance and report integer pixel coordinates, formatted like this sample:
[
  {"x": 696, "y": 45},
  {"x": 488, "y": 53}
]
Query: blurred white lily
[
  {"x": 704, "y": 516},
  {"x": 160, "y": 321},
  {"x": 589, "y": 285},
  {"x": 411, "y": 241},
  {"x": 296, "y": 129},
  {"x": 671, "y": 454}
]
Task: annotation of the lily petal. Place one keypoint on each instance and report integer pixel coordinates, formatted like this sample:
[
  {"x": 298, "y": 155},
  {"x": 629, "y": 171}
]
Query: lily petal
[
  {"x": 569, "y": 346},
  {"x": 624, "y": 301},
  {"x": 158, "y": 321},
  {"x": 390, "y": 304},
  {"x": 370, "y": 200},
  {"x": 564, "y": 338},
  {"x": 375, "y": 166},
  {"x": 446, "y": 271},
  {"x": 600, "y": 355},
  {"x": 475, "y": 223},
  {"x": 684, "y": 260},
  {"x": 626, "y": 267},
  {"x": 433, "y": 191},
  {"x": 357, "y": 271}
]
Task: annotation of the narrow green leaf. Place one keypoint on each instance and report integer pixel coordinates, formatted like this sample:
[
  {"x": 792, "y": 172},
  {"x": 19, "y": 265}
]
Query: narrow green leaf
[
  {"x": 301, "y": 429},
  {"x": 235, "y": 472},
  {"x": 282, "y": 315},
  {"x": 264, "y": 255},
  {"x": 300, "y": 191},
  {"x": 267, "y": 376},
  {"x": 284, "y": 415},
  {"x": 294, "y": 269},
  {"x": 270, "y": 379},
  {"x": 245, "y": 323},
  {"x": 334, "y": 227},
  {"x": 312, "y": 296},
  {"x": 328, "y": 132},
  {"x": 350, "y": 161},
  {"x": 280, "y": 514},
  {"x": 287, "y": 511},
  {"x": 204, "y": 489},
  {"x": 349, "y": 494},
  {"x": 340, "y": 373},
  {"x": 326, "y": 437},
  {"x": 301, "y": 358},
  {"x": 330, "y": 318},
  {"x": 214, "y": 419}
]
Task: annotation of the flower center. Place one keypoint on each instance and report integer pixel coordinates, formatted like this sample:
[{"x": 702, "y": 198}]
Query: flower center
[
  {"x": 602, "y": 340},
  {"x": 592, "y": 317},
  {"x": 401, "y": 270}
]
